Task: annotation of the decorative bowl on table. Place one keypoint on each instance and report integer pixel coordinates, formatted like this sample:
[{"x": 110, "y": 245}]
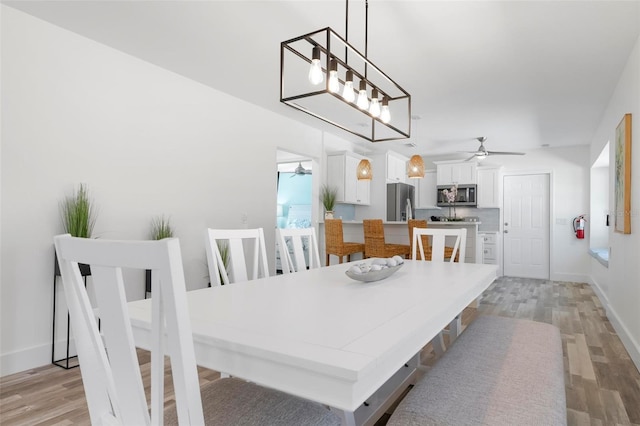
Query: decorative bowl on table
[{"x": 375, "y": 270}]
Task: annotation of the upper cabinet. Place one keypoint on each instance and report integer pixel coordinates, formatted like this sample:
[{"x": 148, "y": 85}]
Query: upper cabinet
[
  {"x": 456, "y": 173},
  {"x": 489, "y": 179},
  {"x": 427, "y": 193},
  {"x": 341, "y": 173},
  {"x": 396, "y": 167}
]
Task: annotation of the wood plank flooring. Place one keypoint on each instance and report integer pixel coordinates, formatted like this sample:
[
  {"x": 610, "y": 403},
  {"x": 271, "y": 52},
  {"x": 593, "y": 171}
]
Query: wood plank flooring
[{"x": 602, "y": 383}]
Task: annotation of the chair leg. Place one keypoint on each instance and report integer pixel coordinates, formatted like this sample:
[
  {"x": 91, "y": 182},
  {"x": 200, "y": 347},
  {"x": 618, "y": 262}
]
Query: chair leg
[
  {"x": 438, "y": 344},
  {"x": 327, "y": 264},
  {"x": 455, "y": 327},
  {"x": 341, "y": 259}
]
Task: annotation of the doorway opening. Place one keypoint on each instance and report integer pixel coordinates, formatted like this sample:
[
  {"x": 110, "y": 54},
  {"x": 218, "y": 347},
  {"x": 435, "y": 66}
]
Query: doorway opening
[{"x": 294, "y": 194}]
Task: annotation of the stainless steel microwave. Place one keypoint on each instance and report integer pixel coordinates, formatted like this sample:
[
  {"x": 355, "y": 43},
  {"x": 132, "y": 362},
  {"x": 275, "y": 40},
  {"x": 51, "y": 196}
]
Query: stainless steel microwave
[{"x": 466, "y": 195}]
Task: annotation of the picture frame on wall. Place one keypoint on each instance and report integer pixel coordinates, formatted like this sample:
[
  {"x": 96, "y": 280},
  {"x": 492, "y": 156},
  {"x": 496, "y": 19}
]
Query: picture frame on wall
[{"x": 622, "y": 176}]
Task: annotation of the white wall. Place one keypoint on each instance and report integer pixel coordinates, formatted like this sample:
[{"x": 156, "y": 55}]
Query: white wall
[
  {"x": 597, "y": 220},
  {"x": 623, "y": 290},
  {"x": 146, "y": 141},
  {"x": 569, "y": 171},
  {"x": 569, "y": 168}
]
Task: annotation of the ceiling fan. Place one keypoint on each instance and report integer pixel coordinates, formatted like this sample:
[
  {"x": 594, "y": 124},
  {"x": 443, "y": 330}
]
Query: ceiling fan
[
  {"x": 301, "y": 170},
  {"x": 482, "y": 152}
]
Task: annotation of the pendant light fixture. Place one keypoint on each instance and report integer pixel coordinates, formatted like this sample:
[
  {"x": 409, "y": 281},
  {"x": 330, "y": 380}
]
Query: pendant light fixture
[
  {"x": 415, "y": 167},
  {"x": 363, "y": 171},
  {"x": 321, "y": 92}
]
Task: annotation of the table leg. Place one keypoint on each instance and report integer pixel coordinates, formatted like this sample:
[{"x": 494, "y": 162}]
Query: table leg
[{"x": 347, "y": 417}]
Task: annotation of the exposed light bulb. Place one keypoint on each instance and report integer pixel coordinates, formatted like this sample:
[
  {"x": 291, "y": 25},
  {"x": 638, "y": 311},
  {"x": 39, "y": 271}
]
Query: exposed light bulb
[
  {"x": 374, "y": 109},
  {"x": 385, "y": 114},
  {"x": 348, "y": 93},
  {"x": 315, "y": 72},
  {"x": 363, "y": 101},
  {"x": 334, "y": 83}
]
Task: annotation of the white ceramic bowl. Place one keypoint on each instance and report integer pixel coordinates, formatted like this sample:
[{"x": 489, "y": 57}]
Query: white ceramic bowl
[{"x": 374, "y": 275}]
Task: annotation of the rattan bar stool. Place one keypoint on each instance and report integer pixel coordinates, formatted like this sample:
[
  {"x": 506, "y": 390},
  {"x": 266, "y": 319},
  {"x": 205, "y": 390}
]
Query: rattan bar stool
[
  {"x": 374, "y": 245},
  {"x": 334, "y": 241},
  {"x": 421, "y": 223}
]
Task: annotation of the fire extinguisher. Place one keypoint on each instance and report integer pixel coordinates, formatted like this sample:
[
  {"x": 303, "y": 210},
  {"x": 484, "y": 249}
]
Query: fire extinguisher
[{"x": 578, "y": 226}]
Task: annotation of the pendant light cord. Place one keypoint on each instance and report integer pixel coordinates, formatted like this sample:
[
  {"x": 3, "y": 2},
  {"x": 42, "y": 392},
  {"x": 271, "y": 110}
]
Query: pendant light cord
[
  {"x": 366, "y": 34},
  {"x": 346, "y": 32}
]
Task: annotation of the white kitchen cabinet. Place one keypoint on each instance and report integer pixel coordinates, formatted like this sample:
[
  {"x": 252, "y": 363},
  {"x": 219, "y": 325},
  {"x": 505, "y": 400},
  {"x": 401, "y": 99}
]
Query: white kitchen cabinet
[
  {"x": 456, "y": 173},
  {"x": 490, "y": 249},
  {"x": 426, "y": 191},
  {"x": 396, "y": 167},
  {"x": 489, "y": 179},
  {"x": 341, "y": 173}
]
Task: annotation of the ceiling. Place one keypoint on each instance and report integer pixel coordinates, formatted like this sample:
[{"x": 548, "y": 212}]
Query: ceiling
[{"x": 525, "y": 74}]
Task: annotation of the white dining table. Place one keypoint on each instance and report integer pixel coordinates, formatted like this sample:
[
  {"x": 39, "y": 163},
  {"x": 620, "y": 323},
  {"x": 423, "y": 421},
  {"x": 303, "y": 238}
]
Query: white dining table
[{"x": 323, "y": 336}]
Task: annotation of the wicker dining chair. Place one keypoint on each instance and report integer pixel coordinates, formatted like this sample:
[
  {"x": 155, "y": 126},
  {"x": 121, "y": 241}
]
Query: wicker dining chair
[
  {"x": 421, "y": 223},
  {"x": 374, "y": 244},
  {"x": 334, "y": 241}
]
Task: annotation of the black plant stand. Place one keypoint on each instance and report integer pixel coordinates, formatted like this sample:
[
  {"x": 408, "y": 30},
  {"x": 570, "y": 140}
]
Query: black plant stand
[
  {"x": 147, "y": 283},
  {"x": 85, "y": 271}
]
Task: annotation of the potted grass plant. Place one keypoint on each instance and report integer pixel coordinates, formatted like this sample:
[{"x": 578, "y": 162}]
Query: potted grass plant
[
  {"x": 78, "y": 219},
  {"x": 328, "y": 195},
  {"x": 160, "y": 228},
  {"x": 223, "y": 247}
]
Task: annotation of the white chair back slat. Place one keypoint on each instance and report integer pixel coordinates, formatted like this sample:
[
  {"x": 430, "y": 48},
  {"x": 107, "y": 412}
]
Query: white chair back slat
[
  {"x": 438, "y": 239},
  {"x": 238, "y": 269},
  {"x": 298, "y": 262},
  {"x": 113, "y": 383}
]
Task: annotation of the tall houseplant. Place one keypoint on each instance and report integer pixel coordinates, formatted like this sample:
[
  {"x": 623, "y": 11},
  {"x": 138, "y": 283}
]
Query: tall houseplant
[
  {"x": 328, "y": 195},
  {"x": 78, "y": 219},
  {"x": 160, "y": 228},
  {"x": 78, "y": 213}
]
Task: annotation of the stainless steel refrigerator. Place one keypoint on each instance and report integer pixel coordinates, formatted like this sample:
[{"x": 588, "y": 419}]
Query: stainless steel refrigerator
[{"x": 400, "y": 199}]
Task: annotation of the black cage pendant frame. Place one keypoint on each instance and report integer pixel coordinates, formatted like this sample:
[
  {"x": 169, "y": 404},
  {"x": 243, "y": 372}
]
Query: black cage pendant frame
[{"x": 339, "y": 57}]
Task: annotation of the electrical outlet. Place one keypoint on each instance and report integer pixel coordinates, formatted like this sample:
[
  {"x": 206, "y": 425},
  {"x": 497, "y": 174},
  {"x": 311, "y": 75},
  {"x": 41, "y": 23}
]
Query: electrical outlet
[{"x": 244, "y": 218}]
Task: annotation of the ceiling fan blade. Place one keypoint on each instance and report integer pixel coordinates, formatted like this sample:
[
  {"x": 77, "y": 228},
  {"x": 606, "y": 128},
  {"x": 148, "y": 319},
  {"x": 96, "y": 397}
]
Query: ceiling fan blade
[
  {"x": 505, "y": 153},
  {"x": 470, "y": 158}
]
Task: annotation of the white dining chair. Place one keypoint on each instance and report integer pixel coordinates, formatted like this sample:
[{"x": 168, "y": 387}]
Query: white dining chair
[
  {"x": 110, "y": 369},
  {"x": 438, "y": 238},
  {"x": 234, "y": 240},
  {"x": 298, "y": 239}
]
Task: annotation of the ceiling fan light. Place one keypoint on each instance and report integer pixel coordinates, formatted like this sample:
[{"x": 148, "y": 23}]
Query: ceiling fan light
[
  {"x": 415, "y": 167},
  {"x": 363, "y": 171}
]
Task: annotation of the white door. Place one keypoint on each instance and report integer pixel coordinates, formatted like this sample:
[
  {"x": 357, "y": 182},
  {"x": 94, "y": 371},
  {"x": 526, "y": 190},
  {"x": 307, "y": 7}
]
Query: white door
[{"x": 526, "y": 226}]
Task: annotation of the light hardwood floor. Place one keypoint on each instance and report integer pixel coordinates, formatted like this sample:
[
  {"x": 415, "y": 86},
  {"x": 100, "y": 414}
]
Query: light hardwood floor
[{"x": 602, "y": 384}]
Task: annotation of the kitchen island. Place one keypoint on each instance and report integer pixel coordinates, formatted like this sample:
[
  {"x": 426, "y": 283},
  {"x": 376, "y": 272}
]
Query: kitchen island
[{"x": 398, "y": 233}]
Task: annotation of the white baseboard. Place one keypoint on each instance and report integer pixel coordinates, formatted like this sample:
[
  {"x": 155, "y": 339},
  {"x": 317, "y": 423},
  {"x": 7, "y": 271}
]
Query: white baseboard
[
  {"x": 576, "y": 278},
  {"x": 26, "y": 359},
  {"x": 601, "y": 294},
  {"x": 628, "y": 341}
]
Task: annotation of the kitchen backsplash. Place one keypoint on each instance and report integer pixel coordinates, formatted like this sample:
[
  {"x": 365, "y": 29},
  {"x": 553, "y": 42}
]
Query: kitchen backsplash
[
  {"x": 489, "y": 218},
  {"x": 344, "y": 211}
]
